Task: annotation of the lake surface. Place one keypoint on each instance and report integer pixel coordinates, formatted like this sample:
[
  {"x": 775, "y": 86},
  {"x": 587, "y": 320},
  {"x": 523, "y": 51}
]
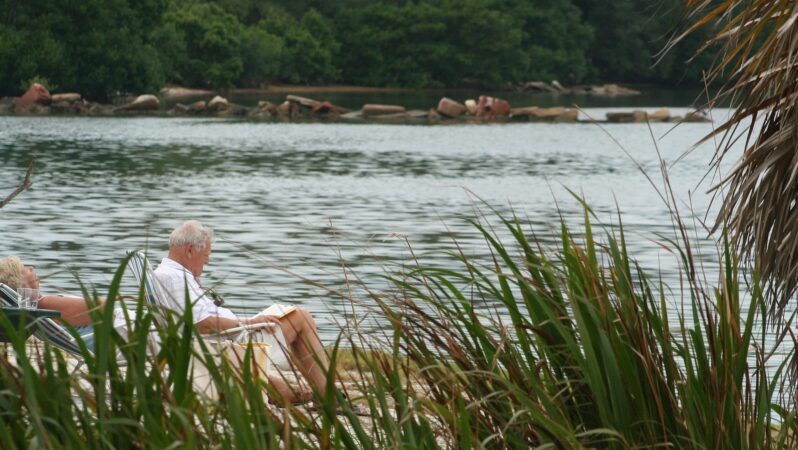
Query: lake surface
[{"x": 304, "y": 197}]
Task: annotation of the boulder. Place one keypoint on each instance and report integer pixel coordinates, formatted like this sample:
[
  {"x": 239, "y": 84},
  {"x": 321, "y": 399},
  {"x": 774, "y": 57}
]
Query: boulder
[
  {"x": 98, "y": 109},
  {"x": 471, "y": 106},
  {"x": 523, "y": 113},
  {"x": 417, "y": 114},
  {"x": 398, "y": 116},
  {"x": 696, "y": 116},
  {"x": 450, "y": 108},
  {"x": 6, "y": 105},
  {"x": 433, "y": 115},
  {"x": 354, "y": 115},
  {"x": 232, "y": 110},
  {"x": 145, "y": 102},
  {"x": 376, "y": 110},
  {"x": 36, "y": 94},
  {"x": 612, "y": 90},
  {"x": 327, "y": 109},
  {"x": 179, "y": 109},
  {"x": 197, "y": 107},
  {"x": 626, "y": 117},
  {"x": 309, "y": 102},
  {"x": 569, "y": 116},
  {"x": 67, "y": 97},
  {"x": 491, "y": 107},
  {"x": 536, "y": 114},
  {"x": 284, "y": 108},
  {"x": 660, "y": 115},
  {"x": 33, "y": 109},
  {"x": 217, "y": 104},
  {"x": 557, "y": 86},
  {"x": 538, "y": 86},
  {"x": 267, "y": 106}
]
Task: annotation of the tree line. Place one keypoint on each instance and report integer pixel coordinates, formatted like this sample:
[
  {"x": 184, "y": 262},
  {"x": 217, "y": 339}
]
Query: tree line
[{"x": 98, "y": 47}]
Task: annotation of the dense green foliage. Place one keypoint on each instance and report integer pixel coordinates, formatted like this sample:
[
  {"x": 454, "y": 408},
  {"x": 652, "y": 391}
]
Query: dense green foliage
[{"x": 100, "y": 47}]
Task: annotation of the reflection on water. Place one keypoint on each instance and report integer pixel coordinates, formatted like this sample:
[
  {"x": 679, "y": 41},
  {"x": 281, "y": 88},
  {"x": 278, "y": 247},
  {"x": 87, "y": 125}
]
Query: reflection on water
[{"x": 304, "y": 196}]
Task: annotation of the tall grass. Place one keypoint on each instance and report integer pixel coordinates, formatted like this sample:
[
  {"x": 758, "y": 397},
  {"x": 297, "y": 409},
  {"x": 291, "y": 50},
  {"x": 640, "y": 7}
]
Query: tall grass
[{"x": 569, "y": 347}]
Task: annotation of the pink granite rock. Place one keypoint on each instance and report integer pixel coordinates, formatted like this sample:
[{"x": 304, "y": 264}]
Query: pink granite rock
[
  {"x": 36, "y": 94},
  {"x": 492, "y": 107}
]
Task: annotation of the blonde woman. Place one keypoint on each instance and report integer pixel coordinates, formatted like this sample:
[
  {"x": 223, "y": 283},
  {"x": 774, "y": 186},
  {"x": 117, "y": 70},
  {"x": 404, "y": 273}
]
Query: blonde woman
[{"x": 74, "y": 310}]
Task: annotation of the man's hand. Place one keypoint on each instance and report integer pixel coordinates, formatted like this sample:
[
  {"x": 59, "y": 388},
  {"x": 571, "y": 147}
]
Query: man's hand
[{"x": 264, "y": 319}]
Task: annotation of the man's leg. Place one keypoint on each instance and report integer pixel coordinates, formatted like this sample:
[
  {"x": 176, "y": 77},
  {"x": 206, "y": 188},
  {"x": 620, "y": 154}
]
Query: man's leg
[{"x": 305, "y": 347}]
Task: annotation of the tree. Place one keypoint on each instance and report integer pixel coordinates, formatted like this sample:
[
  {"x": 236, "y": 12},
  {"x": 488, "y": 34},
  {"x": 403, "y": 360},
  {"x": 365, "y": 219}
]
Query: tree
[
  {"x": 94, "y": 47},
  {"x": 212, "y": 42}
]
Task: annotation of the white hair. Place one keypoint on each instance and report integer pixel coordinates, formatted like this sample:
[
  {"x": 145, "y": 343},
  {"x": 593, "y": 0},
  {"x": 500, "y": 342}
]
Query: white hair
[{"x": 191, "y": 232}]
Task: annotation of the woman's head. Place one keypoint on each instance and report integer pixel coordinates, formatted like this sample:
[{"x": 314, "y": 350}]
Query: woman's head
[{"x": 17, "y": 275}]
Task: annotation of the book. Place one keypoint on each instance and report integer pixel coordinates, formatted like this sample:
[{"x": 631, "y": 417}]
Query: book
[{"x": 277, "y": 310}]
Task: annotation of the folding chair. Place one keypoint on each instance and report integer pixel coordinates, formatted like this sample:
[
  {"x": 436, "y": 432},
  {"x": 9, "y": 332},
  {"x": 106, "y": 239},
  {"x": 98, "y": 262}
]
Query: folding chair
[{"x": 46, "y": 329}]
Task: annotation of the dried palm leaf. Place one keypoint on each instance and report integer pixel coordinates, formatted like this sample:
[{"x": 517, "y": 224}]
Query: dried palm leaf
[{"x": 758, "y": 75}]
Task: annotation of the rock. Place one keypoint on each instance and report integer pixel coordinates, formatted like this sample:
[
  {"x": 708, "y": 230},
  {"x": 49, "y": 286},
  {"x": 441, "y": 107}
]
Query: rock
[
  {"x": 354, "y": 115},
  {"x": 612, "y": 89},
  {"x": 33, "y": 109},
  {"x": 67, "y": 97},
  {"x": 36, "y": 94},
  {"x": 376, "y": 110},
  {"x": 490, "y": 107},
  {"x": 557, "y": 86},
  {"x": 398, "y": 116},
  {"x": 266, "y": 106},
  {"x": 450, "y": 108},
  {"x": 6, "y": 105},
  {"x": 568, "y": 116},
  {"x": 471, "y": 106},
  {"x": 176, "y": 92},
  {"x": 433, "y": 115},
  {"x": 660, "y": 115},
  {"x": 523, "y": 113},
  {"x": 284, "y": 108},
  {"x": 538, "y": 86},
  {"x": 61, "y": 107},
  {"x": 179, "y": 109},
  {"x": 326, "y": 108},
  {"x": 145, "y": 102},
  {"x": 417, "y": 114},
  {"x": 98, "y": 109},
  {"x": 536, "y": 114},
  {"x": 197, "y": 107},
  {"x": 626, "y": 117},
  {"x": 232, "y": 110},
  {"x": 217, "y": 104},
  {"x": 696, "y": 116},
  {"x": 302, "y": 100}
]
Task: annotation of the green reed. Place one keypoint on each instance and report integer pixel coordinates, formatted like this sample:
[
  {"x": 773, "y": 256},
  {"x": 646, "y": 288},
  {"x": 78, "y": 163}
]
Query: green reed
[{"x": 564, "y": 348}]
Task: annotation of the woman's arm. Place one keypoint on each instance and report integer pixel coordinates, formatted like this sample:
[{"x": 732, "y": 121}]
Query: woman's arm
[{"x": 74, "y": 310}]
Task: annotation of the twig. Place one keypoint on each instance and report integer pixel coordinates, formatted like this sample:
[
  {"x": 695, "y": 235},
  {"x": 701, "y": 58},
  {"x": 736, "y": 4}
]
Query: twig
[{"x": 24, "y": 185}]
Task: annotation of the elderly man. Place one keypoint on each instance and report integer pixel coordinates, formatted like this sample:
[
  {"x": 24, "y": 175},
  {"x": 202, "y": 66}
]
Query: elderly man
[{"x": 189, "y": 252}]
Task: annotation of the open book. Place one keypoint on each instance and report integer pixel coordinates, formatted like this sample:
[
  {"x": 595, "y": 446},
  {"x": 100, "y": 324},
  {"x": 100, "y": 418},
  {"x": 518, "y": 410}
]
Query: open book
[{"x": 277, "y": 310}]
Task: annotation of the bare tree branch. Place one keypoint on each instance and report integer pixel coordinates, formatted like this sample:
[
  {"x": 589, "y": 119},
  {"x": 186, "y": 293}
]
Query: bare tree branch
[{"x": 24, "y": 185}]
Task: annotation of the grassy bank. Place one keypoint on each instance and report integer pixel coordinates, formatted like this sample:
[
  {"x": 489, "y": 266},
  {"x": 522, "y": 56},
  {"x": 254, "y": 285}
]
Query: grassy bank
[{"x": 567, "y": 348}]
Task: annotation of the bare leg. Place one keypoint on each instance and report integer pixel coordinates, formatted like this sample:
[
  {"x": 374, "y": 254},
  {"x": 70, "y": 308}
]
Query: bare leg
[{"x": 306, "y": 350}]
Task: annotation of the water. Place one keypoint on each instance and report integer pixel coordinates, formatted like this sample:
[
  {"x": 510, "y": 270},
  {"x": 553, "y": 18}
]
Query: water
[{"x": 304, "y": 196}]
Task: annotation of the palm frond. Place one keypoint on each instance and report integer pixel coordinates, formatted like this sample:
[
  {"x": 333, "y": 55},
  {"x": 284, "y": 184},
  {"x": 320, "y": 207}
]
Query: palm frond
[{"x": 758, "y": 75}]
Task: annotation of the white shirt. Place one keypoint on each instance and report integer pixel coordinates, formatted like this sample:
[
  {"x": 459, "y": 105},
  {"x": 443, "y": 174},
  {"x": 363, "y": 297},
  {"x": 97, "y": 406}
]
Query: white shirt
[{"x": 174, "y": 278}]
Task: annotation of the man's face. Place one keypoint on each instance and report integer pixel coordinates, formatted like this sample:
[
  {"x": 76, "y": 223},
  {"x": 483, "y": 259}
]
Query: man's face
[
  {"x": 196, "y": 258},
  {"x": 30, "y": 278}
]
